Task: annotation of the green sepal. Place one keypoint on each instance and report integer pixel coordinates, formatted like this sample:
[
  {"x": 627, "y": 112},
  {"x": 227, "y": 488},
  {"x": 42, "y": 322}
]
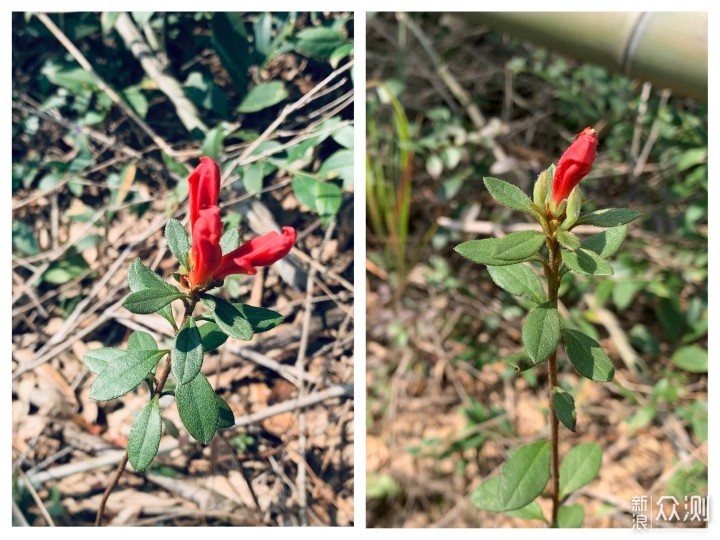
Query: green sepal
[{"x": 178, "y": 241}]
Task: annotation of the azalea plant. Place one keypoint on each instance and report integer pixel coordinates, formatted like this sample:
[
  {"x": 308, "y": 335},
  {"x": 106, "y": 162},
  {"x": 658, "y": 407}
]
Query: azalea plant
[
  {"x": 516, "y": 263},
  {"x": 206, "y": 257}
]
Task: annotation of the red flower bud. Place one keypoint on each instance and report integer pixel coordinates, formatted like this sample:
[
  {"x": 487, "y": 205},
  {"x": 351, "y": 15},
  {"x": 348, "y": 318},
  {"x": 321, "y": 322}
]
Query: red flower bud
[
  {"x": 206, "y": 253},
  {"x": 261, "y": 251},
  {"x": 574, "y": 164},
  {"x": 204, "y": 188}
]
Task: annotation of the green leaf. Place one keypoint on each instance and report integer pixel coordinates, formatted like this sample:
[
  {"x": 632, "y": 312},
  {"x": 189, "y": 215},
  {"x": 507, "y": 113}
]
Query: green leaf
[
  {"x": 518, "y": 279},
  {"x": 570, "y": 517},
  {"x": 187, "y": 352},
  {"x": 519, "y": 246},
  {"x": 568, "y": 240},
  {"x": 328, "y": 198},
  {"x": 211, "y": 335},
  {"x": 609, "y": 217},
  {"x": 587, "y": 263},
  {"x": 178, "y": 241},
  {"x": 339, "y": 165},
  {"x": 67, "y": 269},
  {"x": 323, "y": 197},
  {"x": 230, "y": 240},
  {"x": 198, "y": 408},
  {"x": 263, "y": 96},
  {"x": 261, "y": 319},
  {"x": 541, "y": 332},
  {"x": 98, "y": 359},
  {"x": 231, "y": 43},
  {"x": 531, "y": 511},
  {"x": 481, "y": 252},
  {"x": 119, "y": 377},
  {"x": 520, "y": 361},
  {"x": 693, "y": 359},
  {"x": 564, "y": 407},
  {"x": 525, "y": 475},
  {"x": 228, "y": 318},
  {"x": 319, "y": 42},
  {"x": 23, "y": 238},
  {"x": 253, "y": 176},
  {"x": 140, "y": 277},
  {"x": 212, "y": 144},
  {"x": 150, "y": 300},
  {"x": 509, "y": 195},
  {"x": 487, "y": 495},
  {"x": 144, "y": 439},
  {"x": 141, "y": 341},
  {"x": 587, "y": 356},
  {"x": 341, "y": 52},
  {"x": 345, "y": 136},
  {"x": 579, "y": 467},
  {"x": 226, "y": 418},
  {"x": 606, "y": 243}
]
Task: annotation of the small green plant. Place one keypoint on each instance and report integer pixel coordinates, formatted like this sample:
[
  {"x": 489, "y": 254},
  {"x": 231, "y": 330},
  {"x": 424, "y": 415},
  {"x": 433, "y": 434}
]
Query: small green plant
[
  {"x": 206, "y": 257},
  {"x": 557, "y": 251}
]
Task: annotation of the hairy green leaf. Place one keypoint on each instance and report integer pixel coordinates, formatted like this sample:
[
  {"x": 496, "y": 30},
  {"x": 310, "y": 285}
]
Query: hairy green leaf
[
  {"x": 518, "y": 279},
  {"x": 226, "y": 417},
  {"x": 606, "y": 243},
  {"x": 187, "y": 352},
  {"x": 568, "y": 240},
  {"x": 579, "y": 467},
  {"x": 541, "y": 332},
  {"x": 519, "y": 246},
  {"x": 144, "y": 439},
  {"x": 98, "y": 359},
  {"x": 481, "y": 252},
  {"x": 120, "y": 377},
  {"x": 228, "y": 318},
  {"x": 261, "y": 319},
  {"x": 587, "y": 356},
  {"x": 587, "y": 263},
  {"x": 178, "y": 241},
  {"x": 564, "y": 407},
  {"x": 525, "y": 475},
  {"x": 212, "y": 336},
  {"x": 509, "y": 195},
  {"x": 150, "y": 300},
  {"x": 570, "y": 517},
  {"x": 609, "y": 217},
  {"x": 141, "y": 341},
  {"x": 198, "y": 408}
]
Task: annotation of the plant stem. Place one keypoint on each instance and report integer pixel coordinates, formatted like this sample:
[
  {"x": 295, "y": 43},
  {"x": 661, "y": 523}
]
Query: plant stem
[
  {"x": 159, "y": 385},
  {"x": 114, "y": 482},
  {"x": 553, "y": 276}
]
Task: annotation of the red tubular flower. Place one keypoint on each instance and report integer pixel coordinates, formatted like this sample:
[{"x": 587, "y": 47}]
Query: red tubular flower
[
  {"x": 208, "y": 265},
  {"x": 204, "y": 188},
  {"x": 206, "y": 253},
  {"x": 574, "y": 164},
  {"x": 261, "y": 251}
]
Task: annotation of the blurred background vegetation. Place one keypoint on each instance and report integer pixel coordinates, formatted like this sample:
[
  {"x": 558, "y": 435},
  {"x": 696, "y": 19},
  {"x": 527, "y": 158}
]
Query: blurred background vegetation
[
  {"x": 110, "y": 112},
  {"x": 448, "y": 103}
]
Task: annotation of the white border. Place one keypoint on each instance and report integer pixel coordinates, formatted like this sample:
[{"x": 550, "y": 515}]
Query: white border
[{"x": 360, "y": 6}]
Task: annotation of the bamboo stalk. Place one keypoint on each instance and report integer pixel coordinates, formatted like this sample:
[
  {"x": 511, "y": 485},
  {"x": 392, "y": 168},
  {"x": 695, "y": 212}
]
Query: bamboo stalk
[{"x": 668, "y": 49}]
